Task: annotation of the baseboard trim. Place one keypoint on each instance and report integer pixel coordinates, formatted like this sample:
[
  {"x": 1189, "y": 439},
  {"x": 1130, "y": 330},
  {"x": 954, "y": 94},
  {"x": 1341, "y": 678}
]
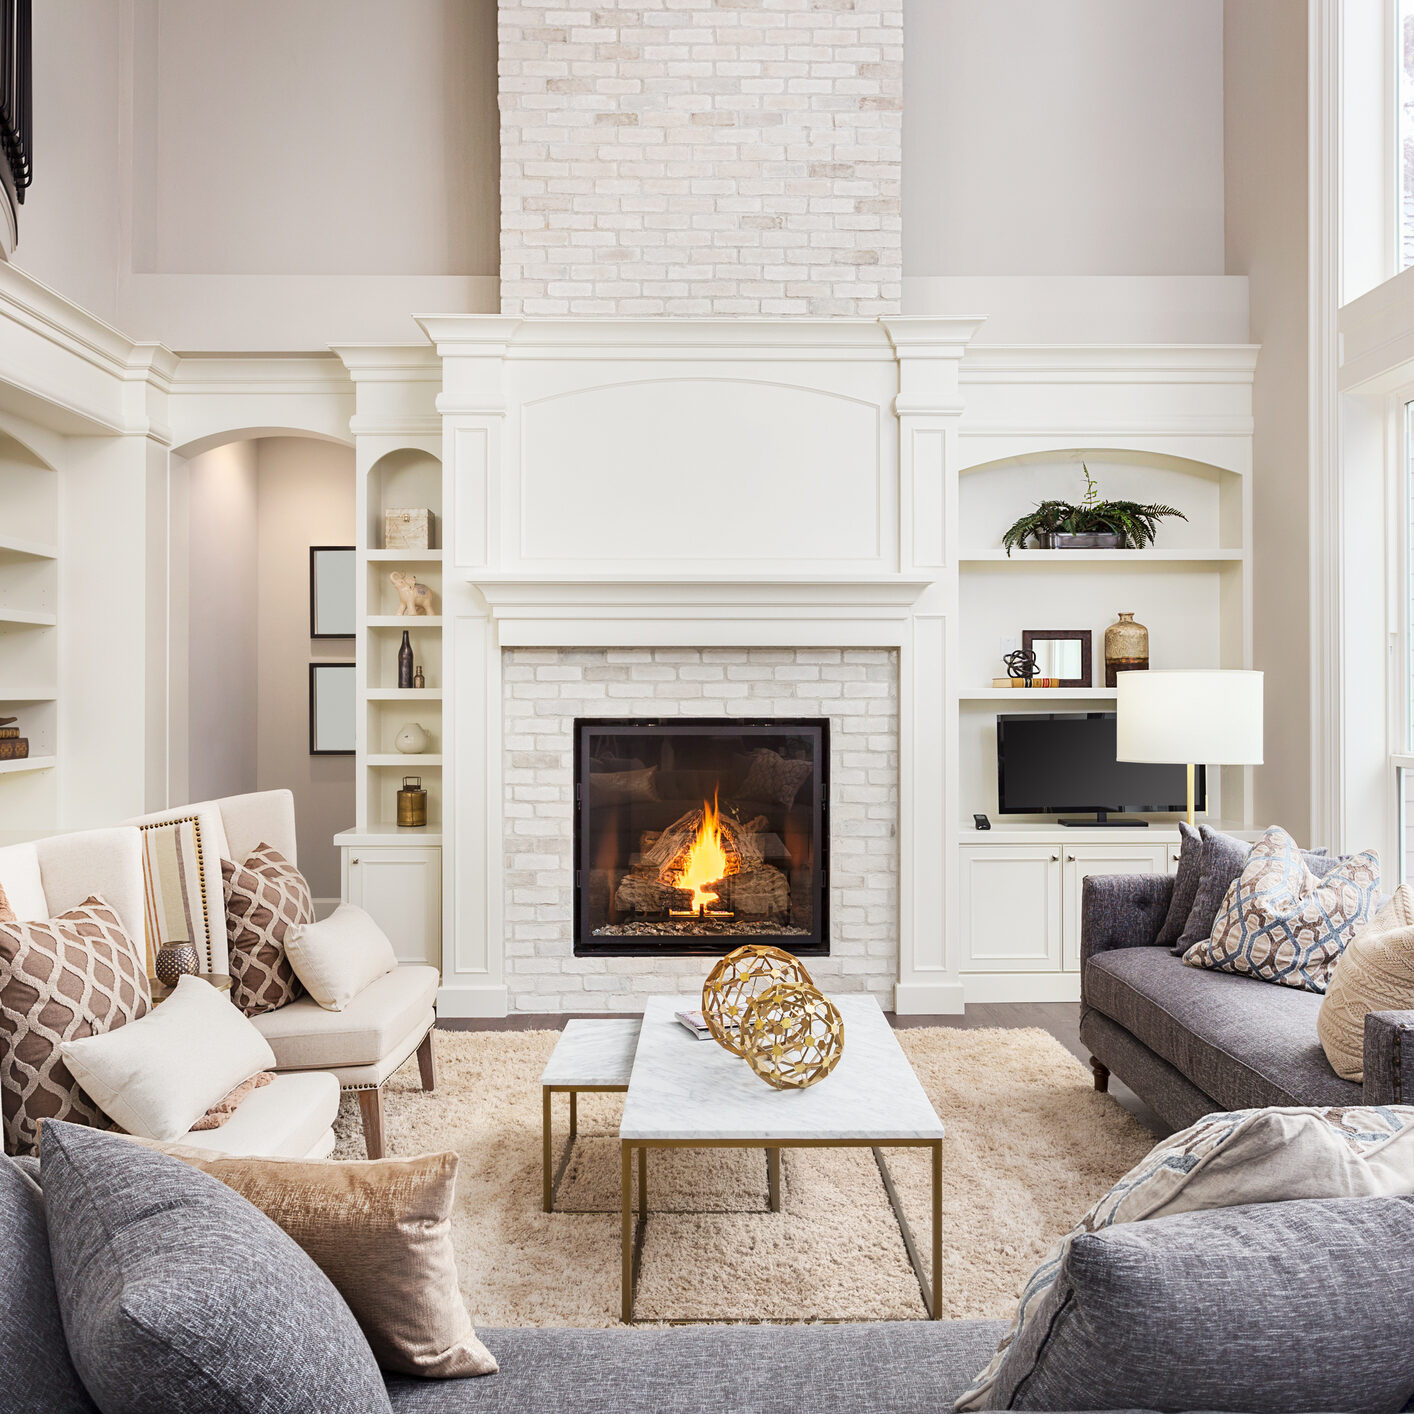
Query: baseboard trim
[
  {"x": 928, "y": 999},
  {"x": 473, "y": 1001},
  {"x": 1023, "y": 987}
]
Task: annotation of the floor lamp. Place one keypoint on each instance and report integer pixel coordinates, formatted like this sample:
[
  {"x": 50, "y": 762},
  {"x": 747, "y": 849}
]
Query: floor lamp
[{"x": 1198, "y": 717}]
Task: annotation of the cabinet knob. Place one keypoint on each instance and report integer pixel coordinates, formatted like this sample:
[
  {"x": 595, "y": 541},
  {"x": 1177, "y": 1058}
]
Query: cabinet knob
[
  {"x": 1055, "y": 859},
  {"x": 1070, "y": 859},
  {"x": 353, "y": 859}
]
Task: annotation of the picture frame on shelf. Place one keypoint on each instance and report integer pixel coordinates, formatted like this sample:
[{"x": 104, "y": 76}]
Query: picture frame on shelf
[
  {"x": 1062, "y": 654},
  {"x": 333, "y": 571},
  {"x": 333, "y": 709}
]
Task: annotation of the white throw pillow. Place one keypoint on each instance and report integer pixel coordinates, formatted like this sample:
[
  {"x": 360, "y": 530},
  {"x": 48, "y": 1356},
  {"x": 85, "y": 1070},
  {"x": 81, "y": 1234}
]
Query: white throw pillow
[
  {"x": 21, "y": 883},
  {"x": 337, "y": 957},
  {"x": 158, "y": 1075}
]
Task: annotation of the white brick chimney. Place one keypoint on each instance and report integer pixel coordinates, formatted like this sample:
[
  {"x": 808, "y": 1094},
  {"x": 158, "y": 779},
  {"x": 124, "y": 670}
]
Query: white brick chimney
[{"x": 700, "y": 157}]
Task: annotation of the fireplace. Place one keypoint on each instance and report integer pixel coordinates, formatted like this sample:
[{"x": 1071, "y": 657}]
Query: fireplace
[{"x": 696, "y": 835}]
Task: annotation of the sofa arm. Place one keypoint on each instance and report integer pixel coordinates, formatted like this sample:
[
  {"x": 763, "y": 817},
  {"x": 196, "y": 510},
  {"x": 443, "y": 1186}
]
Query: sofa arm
[
  {"x": 1122, "y": 911},
  {"x": 1389, "y": 1058}
]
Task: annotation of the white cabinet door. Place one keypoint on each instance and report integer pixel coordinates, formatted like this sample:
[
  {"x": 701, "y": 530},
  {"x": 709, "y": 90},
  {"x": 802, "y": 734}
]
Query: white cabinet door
[
  {"x": 1011, "y": 908},
  {"x": 402, "y": 890},
  {"x": 1083, "y": 860}
]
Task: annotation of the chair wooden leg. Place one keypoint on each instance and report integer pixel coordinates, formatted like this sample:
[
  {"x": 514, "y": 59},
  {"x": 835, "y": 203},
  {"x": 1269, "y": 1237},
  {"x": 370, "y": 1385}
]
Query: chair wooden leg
[
  {"x": 370, "y": 1102},
  {"x": 1102, "y": 1076},
  {"x": 427, "y": 1061}
]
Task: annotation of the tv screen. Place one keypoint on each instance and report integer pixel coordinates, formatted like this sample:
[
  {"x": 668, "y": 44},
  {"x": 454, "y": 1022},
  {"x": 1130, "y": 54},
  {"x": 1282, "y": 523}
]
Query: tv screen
[{"x": 1053, "y": 761}]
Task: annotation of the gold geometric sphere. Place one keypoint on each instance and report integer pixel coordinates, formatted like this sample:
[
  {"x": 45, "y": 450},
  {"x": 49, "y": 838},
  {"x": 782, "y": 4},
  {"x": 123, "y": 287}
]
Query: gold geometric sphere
[
  {"x": 793, "y": 1036},
  {"x": 736, "y": 979}
]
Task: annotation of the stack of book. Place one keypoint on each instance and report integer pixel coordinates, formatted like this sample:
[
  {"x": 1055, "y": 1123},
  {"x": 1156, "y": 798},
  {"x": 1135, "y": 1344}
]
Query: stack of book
[
  {"x": 13, "y": 746},
  {"x": 696, "y": 1023},
  {"x": 1027, "y": 682}
]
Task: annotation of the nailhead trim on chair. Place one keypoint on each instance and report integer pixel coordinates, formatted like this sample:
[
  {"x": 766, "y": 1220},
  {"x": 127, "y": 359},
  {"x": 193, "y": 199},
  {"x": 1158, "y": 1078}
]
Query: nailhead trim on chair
[{"x": 353, "y": 1089}]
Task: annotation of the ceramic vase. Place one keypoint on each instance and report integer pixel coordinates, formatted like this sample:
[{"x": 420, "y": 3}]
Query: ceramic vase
[{"x": 1126, "y": 648}]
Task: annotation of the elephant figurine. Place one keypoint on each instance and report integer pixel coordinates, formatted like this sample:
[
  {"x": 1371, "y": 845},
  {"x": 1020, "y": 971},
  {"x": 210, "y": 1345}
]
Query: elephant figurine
[{"x": 413, "y": 597}]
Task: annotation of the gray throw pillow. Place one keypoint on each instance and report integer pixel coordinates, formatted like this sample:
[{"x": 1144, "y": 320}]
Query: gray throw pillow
[
  {"x": 1185, "y": 885},
  {"x": 1221, "y": 861},
  {"x": 1204, "y": 1310},
  {"x": 35, "y": 1373},
  {"x": 178, "y": 1294}
]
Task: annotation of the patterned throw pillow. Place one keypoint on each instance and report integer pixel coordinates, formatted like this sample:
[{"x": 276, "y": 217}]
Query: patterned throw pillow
[
  {"x": 771, "y": 777},
  {"x": 62, "y": 979},
  {"x": 266, "y": 896},
  {"x": 1281, "y": 923},
  {"x": 7, "y": 914},
  {"x": 1376, "y": 973},
  {"x": 1226, "y": 1161}
]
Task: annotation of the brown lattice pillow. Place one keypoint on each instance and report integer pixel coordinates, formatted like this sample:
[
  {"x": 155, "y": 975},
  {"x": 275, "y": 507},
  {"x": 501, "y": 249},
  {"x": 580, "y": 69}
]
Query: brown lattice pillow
[
  {"x": 266, "y": 896},
  {"x": 60, "y": 979}
]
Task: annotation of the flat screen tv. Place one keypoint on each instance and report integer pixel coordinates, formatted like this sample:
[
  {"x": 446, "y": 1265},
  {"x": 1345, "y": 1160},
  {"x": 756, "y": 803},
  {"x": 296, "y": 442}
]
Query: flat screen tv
[{"x": 1049, "y": 762}]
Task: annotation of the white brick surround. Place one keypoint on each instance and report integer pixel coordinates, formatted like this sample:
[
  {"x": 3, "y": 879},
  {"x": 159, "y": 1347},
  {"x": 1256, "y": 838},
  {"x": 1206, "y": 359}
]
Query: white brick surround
[
  {"x": 700, "y": 157},
  {"x": 545, "y": 689}
]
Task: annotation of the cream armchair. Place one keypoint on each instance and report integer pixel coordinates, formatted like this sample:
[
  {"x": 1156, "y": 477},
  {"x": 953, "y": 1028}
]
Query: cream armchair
[
  {"x": 292, "y": 1117},
  {"x": 378, "y": 1031}
]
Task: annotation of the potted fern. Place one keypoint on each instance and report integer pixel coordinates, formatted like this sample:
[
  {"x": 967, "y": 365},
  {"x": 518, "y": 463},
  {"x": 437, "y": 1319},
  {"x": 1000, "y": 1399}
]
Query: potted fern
[{"x": 1092, "y": 525}]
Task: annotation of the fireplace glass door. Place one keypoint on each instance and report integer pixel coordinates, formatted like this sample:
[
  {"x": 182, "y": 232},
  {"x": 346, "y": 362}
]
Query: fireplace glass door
[{"x": 698, "y": 835}]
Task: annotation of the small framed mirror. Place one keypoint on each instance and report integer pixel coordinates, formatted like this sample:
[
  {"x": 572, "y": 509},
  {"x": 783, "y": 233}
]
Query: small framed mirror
[
  {"x": 331, "y": 591},
  {"x": 333, "y": 709},
  {"x": 1061, "y": 653}
]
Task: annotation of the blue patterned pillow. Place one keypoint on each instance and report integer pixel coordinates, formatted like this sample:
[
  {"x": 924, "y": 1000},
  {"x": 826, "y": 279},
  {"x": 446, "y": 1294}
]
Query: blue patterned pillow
[{"x": 1280, "y": 923}]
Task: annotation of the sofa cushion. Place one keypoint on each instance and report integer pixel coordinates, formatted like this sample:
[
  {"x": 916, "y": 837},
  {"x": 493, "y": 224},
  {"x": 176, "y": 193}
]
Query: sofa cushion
[
  {"x": 1222, "y": 1161},
  {"x": 43, "y": 1378},
  {"x": 178, "y": 1294},
  {"x": 1281, "y": 923},
  {"x": 288, "y": 1119},
  {"x": 338, "y": 956},
  {"x": 903, "y": 1367},
  {"x": 1241, "y": 1041},
  {"x": 306, "y": 1037},
  {"x": 68, "y": 977},
  {"x": 1185, "y": 885},
  {"x": 1224, "y": 1310}
]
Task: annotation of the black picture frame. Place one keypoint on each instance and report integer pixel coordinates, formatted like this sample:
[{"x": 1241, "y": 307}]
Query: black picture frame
[
  {"x": 315, "y": 670},
  {"x": 1032, "y": 636},
  {"x": 315, "y": 553}
]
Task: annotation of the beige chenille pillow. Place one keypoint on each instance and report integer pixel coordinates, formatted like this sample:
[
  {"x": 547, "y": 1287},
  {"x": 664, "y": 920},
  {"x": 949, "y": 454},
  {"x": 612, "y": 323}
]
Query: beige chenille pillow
[
  {"x": 337, "y": 957},
  {"x": 381, "y": 1231},
  {"x": 1375, "y": 973}
]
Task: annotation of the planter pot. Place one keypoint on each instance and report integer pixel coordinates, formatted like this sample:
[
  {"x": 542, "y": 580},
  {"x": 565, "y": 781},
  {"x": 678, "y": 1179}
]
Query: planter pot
[{"x": 1091, "y": 540}]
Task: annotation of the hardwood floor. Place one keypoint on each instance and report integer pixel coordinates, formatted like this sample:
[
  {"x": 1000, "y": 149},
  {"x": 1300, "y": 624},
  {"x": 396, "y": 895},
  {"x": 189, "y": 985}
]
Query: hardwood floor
[{"x": 1061, "y": 1019}]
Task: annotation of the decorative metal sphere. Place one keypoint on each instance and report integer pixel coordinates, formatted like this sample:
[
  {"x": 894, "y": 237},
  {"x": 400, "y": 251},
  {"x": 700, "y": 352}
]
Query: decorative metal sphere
[
  {"x": 793, "y": 1035},
  {"x": 736, "y": 979},
  {"x": 175, "y": 961},
  {"x": 1022, "y": 664}
]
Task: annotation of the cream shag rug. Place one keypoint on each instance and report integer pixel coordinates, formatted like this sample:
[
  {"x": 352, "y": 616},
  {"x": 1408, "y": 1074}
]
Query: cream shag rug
[{"x": 1030, "y": 1146}]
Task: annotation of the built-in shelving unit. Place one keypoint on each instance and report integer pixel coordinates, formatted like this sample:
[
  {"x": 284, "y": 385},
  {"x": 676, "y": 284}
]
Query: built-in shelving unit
[
  {"x": 29, "y": 630},
  {"x": 1192, "y": 590},
  {"x": 400, "y": 476}
]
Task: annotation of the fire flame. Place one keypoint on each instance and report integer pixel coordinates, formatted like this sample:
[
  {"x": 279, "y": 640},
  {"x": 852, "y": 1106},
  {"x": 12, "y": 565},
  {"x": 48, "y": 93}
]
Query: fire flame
[{"x": 706, "y": 860}]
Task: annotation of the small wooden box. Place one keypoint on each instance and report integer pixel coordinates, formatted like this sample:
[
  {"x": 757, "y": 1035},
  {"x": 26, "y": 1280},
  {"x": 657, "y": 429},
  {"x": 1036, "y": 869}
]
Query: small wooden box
[
  {"x": 14, "y": 748},
  {"x": 407, "y": 529}
]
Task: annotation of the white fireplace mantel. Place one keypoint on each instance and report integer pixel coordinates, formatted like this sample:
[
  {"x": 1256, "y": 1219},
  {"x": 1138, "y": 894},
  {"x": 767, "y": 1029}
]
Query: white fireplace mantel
[{"x": 696, "y": 484}]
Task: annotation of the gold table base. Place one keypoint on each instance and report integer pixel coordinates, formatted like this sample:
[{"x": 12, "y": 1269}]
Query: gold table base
[{"x": 632, "y": 1233}]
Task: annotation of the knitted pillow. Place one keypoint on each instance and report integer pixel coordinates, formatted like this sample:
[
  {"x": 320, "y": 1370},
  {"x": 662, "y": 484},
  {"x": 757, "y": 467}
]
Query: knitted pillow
[
  {"x": 266, "y": 896},
  {"x": 1281, "y": 923},
  {"x": 62, "y": 979},
  {"x": 770, "y": 776},
  {"x": 1376, "y": 973}
]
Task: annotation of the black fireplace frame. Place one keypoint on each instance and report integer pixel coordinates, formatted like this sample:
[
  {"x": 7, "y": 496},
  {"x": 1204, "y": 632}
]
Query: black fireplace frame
[{"x": 817, "y": 944}]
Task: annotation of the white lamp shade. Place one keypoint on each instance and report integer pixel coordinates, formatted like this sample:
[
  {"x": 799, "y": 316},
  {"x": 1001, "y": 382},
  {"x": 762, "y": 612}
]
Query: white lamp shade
[{"x": 1207, "y": 718}]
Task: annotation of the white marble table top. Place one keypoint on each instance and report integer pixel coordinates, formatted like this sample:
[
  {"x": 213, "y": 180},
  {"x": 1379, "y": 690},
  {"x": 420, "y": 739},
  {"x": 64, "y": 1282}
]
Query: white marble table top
[
  {"x": 597, "y": 1052},
  {"x": 683, "y": 1088}
]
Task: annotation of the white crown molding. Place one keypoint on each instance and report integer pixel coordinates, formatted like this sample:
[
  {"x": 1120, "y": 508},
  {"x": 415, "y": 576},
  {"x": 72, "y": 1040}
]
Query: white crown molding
[{"x": 1110, "y": 363}]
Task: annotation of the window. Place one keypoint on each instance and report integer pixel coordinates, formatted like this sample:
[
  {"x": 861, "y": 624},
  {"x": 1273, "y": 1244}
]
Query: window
[{"x": 1404, "y": 55}]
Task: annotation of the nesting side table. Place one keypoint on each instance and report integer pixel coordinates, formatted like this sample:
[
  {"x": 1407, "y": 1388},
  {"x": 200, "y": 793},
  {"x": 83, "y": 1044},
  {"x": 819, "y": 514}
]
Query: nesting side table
[{"x": 590, "y": 1055}]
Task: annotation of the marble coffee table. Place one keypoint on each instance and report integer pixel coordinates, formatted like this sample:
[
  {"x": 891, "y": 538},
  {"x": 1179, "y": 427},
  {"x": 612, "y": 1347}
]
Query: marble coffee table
[{"x": 690, "y": 1094}]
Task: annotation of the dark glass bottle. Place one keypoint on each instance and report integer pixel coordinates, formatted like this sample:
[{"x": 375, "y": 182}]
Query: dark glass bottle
[{"x": 405, "y": 662}]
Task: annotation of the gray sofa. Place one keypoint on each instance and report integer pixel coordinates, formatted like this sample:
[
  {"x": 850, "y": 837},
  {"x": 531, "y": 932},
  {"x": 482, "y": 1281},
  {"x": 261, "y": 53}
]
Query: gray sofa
[{"x": 1189, "y": 1041}]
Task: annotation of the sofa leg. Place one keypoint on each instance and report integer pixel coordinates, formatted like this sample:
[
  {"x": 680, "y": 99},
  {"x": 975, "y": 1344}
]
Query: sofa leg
[
  {"x": 1102, "y": 1076},
  {"x": 370, "y": 1102},
  {"x": 427, "y": 1061}
]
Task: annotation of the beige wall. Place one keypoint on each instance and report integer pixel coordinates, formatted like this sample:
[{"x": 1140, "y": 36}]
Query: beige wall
[
  {"x": 1063, "y": 137},
  {"x": 222, "y": 560},
  {"x": 306, "y": 498},
  {"x": 1264, "y": 49}
]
